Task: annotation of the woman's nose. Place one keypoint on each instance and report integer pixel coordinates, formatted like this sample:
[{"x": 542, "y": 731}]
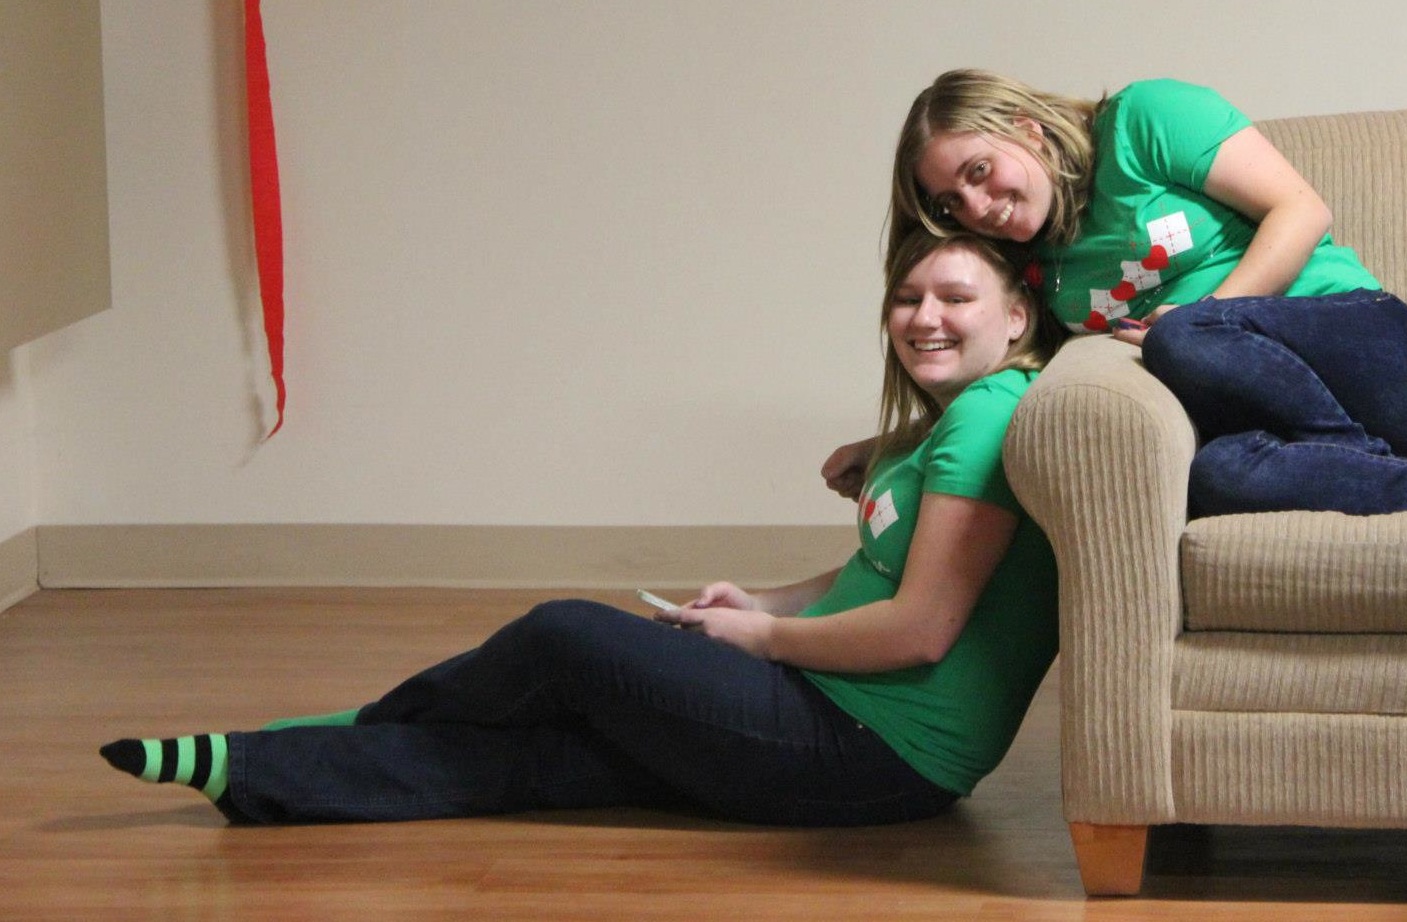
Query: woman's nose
[
  {"x": 975, "y": 201},
  {"x": 930, "y": 312}
]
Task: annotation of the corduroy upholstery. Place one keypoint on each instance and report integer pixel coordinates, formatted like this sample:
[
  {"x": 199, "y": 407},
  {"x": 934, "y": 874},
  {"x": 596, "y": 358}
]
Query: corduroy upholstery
[{"x": 1246, "y": 670}]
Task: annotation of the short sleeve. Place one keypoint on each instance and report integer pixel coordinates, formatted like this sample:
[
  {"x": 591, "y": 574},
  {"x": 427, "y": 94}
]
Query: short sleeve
[
  {"x": 965, "y": 457},
  {"x": 1178, "y": 128}
]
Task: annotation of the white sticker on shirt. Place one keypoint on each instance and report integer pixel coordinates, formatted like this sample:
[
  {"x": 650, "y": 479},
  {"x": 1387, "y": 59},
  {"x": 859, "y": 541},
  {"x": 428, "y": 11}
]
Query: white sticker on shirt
[
  {"x": 1103, "y": 301},
  {"x": 1137, "y": 274},
  {"x": 880, "y": 513},
  {"x": 1171, "y": 233}
]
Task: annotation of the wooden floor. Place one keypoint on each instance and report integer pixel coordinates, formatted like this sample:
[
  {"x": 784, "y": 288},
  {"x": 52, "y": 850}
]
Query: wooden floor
[{"x": 78, "y": 840}]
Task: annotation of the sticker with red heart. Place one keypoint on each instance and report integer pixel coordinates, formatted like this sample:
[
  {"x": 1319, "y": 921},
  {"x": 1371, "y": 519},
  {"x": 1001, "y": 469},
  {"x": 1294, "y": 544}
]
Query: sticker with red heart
[
  {"x": 1157, "y": 258},
  {"x": 1032, "y": 275},
  {"x": 1123, "y": 291},
  {"x": 1096, "y": 322}
]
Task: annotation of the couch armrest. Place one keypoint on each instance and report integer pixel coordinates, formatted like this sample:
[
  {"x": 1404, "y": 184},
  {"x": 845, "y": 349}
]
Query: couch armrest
[{"x": 1098, "y": 452}]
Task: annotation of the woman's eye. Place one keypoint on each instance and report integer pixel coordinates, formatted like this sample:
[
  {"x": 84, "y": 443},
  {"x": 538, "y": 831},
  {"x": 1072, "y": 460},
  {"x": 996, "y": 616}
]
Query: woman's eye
[{"x": 980, "y": 169}]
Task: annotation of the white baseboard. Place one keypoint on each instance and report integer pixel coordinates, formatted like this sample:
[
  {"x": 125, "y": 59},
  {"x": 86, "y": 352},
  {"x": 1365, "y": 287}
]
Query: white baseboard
[
  {"x": 183, "y": 556},
  {"x": 19, "y": 568}
]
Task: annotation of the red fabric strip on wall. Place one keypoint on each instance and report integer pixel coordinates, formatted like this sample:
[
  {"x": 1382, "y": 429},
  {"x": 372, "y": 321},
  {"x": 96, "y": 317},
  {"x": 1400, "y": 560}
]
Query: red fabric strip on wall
[{"x": 266, "y": 202}]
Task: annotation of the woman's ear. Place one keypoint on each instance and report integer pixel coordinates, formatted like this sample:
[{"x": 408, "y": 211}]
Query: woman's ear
[
  {"x": 1033, "y": 130},
  {"x": 1018, "y": 317},
  {"x": 1032, "y": 127}
]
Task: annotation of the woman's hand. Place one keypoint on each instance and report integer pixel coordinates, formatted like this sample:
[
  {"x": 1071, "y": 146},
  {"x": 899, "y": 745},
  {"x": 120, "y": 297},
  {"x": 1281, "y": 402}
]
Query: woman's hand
[
  {"x": 749, "y": 631},
  {"x": 844, "y": 470},
  {"x": 1128, "y": 330},
  {"x": 725, "y": 595}
]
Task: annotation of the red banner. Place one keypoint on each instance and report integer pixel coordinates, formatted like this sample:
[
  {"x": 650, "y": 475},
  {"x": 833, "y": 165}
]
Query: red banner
[{"x": 266, "y": 203}]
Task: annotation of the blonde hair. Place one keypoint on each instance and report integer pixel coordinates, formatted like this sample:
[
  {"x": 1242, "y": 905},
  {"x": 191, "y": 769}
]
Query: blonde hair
[
  {"x": 907, "y": 412},
  {"x": 989, "y": 104}
]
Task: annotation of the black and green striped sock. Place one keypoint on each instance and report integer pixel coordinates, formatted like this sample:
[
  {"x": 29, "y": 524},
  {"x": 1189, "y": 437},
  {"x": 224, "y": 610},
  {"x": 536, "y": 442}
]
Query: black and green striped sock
[{"x": 200, "y": 762}]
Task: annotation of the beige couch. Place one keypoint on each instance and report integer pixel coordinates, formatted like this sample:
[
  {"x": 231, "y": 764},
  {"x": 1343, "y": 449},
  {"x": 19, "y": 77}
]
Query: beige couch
[{"x": 1247, "y": 670}]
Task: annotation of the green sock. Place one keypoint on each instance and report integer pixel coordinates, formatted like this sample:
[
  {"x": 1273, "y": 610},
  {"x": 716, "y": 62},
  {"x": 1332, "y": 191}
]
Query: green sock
[
  {"x": 199, "y": 762},
  {"x": 335, "y": 719}
]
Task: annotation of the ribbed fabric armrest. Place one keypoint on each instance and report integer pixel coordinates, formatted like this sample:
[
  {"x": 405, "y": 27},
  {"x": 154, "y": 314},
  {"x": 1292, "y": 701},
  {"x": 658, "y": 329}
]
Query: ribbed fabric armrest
[{"x": 1098, "y": 453}]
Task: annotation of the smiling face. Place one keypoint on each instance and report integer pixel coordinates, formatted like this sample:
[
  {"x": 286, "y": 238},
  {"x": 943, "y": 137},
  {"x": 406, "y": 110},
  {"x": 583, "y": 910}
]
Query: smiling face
[
  {"x": 953, "y": 320},
  {"x": 992, "y": 186}
]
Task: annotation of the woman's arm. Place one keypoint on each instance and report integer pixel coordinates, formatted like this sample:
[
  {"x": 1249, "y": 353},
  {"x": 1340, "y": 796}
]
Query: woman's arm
[
  {"x": 1251, "y": 176},
  {"x": 957, "y": 545}
]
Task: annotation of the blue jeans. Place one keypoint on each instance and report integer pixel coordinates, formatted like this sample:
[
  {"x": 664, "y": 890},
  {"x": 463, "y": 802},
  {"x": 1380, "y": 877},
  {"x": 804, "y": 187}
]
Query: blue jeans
[
  {"x": 1300, "y": 403},
  {"x": 577, "y": 704}
]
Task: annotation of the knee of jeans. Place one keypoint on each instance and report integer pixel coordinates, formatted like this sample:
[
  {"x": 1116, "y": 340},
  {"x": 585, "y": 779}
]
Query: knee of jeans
[
  {"x": 1165, "y": 339},
  {"x": 557, "y": 614},
  {"x": 563, "y": 620},
  {"x": 1222, "y": 479}
]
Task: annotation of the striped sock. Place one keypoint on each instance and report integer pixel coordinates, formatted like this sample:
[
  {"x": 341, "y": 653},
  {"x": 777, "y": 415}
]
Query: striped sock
[
  {"x": 200, "y": 762},
  {"x": 335, "y": 719}
]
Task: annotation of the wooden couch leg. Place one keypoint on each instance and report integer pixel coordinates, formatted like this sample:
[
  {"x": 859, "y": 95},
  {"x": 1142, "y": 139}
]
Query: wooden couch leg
[{"x": 1110, "y": 857}]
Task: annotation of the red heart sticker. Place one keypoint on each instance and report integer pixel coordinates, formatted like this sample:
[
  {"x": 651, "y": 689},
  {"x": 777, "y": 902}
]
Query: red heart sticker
[
  {"x": 1032, "y": 275},
  {"x": 1157, "y": 258},
  {"x": 869, "y": 510},
  {"x": 1123, "y": 291},
  {"x": 1096, "y": 322}
]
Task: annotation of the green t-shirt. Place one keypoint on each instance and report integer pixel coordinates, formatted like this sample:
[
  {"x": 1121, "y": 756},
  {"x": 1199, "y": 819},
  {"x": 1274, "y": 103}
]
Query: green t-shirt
[
  {"x": 1150, "y": 236},
  {"x": 954, "y": 720}
]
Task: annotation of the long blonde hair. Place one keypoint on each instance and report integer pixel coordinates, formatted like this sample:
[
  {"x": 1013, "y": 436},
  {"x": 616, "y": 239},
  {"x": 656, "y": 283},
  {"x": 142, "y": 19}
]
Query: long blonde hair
[
  {"x": 987, "y": 103},
  {"x": 907, "y": 412}
]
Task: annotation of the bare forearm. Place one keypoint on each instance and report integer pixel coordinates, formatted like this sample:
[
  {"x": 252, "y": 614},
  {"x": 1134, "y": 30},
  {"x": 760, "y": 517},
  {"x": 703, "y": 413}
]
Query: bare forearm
[{"x": 874, "y": 638}]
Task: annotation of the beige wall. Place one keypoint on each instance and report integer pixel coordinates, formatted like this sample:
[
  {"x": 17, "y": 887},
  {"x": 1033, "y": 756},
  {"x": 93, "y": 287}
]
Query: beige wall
[{"x": 549, "y": 263}]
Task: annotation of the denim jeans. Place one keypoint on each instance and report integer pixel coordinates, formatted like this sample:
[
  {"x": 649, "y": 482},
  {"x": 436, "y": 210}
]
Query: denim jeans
[
  {"x": 1300, "y": 403},
  {"x": 577, "y": 704}
]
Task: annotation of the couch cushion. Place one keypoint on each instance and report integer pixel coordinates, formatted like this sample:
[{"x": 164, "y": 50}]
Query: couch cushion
[
  {"x": 1296, "y": 571},
  {"x": 1290, "y": 673}
]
